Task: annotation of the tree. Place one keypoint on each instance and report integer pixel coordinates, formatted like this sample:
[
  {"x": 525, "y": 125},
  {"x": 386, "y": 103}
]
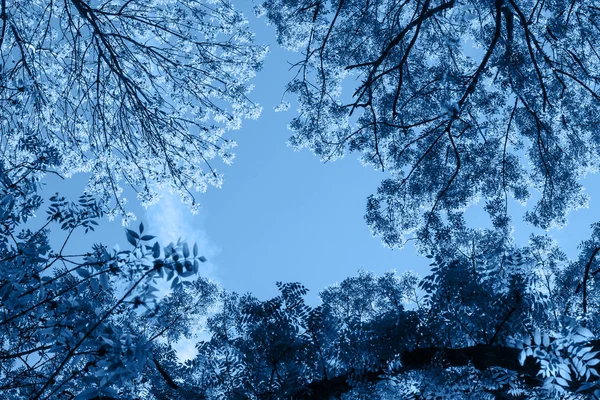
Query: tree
[
  {"x": 456, "y": 99},
  {"x": 133, "y": 91},
  {"x": 140, "y": 83},
  {"x": 86, "y": 325},
  {"x": 491, "y": 321}
]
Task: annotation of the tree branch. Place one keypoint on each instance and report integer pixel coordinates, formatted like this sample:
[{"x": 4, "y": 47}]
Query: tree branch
[
  {"x": 585, "y": 279},
  {"x": 163, "y": 372},
  {"x": 481, "y": 356}
]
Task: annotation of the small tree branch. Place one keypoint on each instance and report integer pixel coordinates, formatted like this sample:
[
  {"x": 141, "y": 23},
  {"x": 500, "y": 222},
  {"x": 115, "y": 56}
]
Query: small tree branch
[
  {"x": 163, "y": 372},
  {"x": 585, "y": 279}
]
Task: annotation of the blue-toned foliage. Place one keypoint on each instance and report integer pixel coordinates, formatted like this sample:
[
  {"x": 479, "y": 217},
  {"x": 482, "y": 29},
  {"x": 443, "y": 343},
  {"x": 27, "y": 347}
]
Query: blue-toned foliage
[
  {"x": 85, "y": 325},
  {"x": 458, "y": 100},
  {"x": 135, "y": 92}
]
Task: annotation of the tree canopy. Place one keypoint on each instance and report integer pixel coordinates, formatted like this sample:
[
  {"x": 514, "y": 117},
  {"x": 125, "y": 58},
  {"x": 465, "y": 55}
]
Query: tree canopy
[
  {"x": 139, "y": 92},
  {"x": 458, "y": 100},
  {"x": 85, "y": 325},
  {"x": 455, "y": 101}
]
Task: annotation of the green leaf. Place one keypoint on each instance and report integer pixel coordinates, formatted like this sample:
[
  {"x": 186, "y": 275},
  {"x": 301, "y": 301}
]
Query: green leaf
[
  {"x": 95, "y": 285},
  {"x": 565, "y": 374},
  {"x": 104, "y": 281},
  {"x": 175, "y": 283},
  {"x": 88, "y": 394},
  {"x": 583, "y": 351}
]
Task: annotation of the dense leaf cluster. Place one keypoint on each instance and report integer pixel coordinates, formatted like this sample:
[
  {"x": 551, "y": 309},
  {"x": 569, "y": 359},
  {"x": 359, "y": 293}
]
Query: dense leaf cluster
[
  {"x": 479, "y": 326},
  {"x": 459, "y": 100},
  {"x": 139, "y": 92},
  {"x": 85, "y": 325}
]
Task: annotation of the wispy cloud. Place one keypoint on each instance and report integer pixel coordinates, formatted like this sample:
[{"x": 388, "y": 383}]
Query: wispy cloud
[{"x": 170, "y": 220}]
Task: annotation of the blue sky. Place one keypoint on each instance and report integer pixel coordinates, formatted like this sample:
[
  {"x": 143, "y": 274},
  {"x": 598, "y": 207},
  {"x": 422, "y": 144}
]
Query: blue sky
[{"x": 282, "y": 215}]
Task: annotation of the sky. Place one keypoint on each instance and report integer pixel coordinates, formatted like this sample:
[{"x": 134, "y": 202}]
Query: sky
[{"x": 282, "y": 215}]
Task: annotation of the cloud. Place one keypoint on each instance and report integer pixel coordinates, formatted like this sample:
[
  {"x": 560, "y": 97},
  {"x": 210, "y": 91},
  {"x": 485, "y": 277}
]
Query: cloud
[{"x": 170, "y": 220}]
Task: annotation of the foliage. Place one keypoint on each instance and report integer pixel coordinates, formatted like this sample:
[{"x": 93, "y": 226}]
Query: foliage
[
  {"x": 85, "y": 325},
  {"x": 477, "y": 327},
  {"x": 458, "y": 100},
  {"x": 139, "y": 92}
]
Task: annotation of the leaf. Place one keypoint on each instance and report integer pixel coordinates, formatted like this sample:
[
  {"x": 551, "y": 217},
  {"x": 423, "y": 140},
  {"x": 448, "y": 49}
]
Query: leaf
[
  {"x": 548, "y": 383},
  {"x": 95, "y": 285},
  {"x": 584, "y": 332},
  {"x": 84, "y": 273},
  {"x": 104, "y": 281},
  {"x": 195, "y": 249},
  {"x": 145, "y": 238},
  {"x": 156, "y": 250},
  {"x": 583, "y": 351},
  {"x": 133, "y": 233},
  {"x": 141, "y": 227},
  {"x": 88, "y": 394},
  {"x": 564, "y": 373},
  {"x": 110, "y": 392},
  {"x": 537, "y": 337},
  {"x": 519, "y": 345},
  {"x": 546, "y": 340},
  {"x": 130, "y": 237},
  {"x": 522, "y": 357},
  {"x": 186, "y": 250},
  {"x": 179, "y": 267},
  {"x": 202, "y": 259},
  {"x": 562, "y": 382}
]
